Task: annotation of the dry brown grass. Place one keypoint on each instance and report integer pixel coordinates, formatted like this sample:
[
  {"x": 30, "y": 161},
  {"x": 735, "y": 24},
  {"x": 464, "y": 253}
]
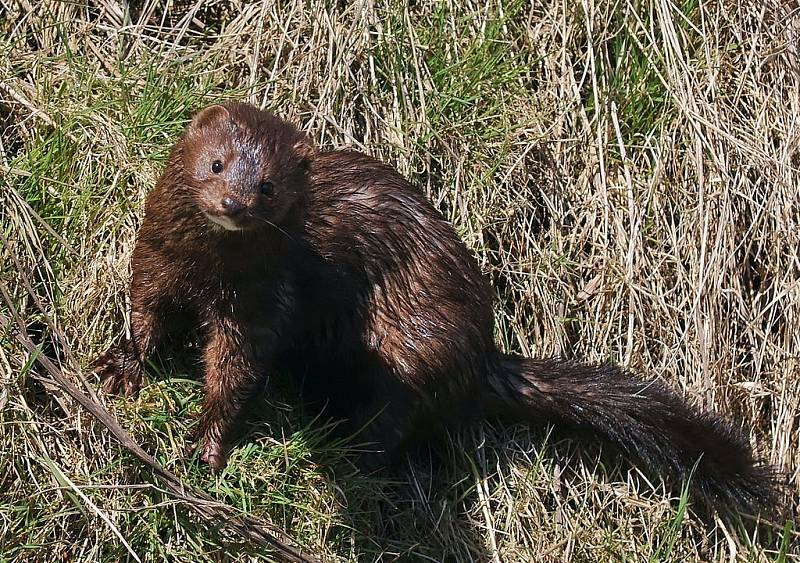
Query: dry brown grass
[{"x": 627, "y": 174}]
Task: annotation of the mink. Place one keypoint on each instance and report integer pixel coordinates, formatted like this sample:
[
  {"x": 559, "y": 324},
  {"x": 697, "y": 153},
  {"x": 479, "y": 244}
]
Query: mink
[{"x": 331, "y": 267}]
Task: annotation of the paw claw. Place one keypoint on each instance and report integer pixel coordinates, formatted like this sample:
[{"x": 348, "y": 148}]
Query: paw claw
[
  {"x": 213, "y": 455},
  {"x": 119, "y": 371}
]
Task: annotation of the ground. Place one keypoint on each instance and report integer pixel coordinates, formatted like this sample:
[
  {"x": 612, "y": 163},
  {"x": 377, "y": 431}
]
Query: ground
[{"x": 625, "y": 172}]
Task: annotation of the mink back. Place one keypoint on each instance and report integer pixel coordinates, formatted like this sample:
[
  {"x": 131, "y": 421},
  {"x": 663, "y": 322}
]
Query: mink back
[{"x": 383, "y": 274}]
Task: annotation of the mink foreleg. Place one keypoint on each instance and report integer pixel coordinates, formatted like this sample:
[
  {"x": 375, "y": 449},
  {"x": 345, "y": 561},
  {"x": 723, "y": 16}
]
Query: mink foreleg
[
  {"x": 121, "y": 366},
  {"x": 236, "y": 360}
]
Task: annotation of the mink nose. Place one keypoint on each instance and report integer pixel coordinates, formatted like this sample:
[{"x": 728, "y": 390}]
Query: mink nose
[{"x": 232, "y": 206}]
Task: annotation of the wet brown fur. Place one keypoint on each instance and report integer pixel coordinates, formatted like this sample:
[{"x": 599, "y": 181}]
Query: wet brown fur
[{"x": 348, "y": 278}]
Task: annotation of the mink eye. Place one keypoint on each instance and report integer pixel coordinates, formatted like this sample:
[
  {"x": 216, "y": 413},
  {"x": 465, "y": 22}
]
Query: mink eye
[
  {"x": 267, "y": 188},
  {"x": 216, "y": 167}
]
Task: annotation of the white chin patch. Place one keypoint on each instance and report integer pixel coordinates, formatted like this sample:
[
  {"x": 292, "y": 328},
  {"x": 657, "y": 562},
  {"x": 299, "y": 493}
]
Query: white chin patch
[{"x": 224, "y": 222}]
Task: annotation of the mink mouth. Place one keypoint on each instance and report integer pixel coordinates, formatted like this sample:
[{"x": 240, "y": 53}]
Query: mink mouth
[
  {"x": 222, "y": 220},
  {"x": 227, "y": 223}
]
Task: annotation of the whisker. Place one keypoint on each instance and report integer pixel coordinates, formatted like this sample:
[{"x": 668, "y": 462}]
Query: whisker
[{"x": 268, "y": 222}]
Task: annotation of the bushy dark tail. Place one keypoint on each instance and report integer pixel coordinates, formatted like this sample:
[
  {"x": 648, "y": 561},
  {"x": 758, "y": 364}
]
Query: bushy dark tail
[{"x": 643, "y": 418}]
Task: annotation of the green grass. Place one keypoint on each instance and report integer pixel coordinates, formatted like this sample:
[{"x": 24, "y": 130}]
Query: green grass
[{"x": 623, "y": 172}]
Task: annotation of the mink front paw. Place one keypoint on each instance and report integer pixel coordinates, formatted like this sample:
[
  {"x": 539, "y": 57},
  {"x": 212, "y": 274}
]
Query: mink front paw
[
  {"x": 119, "y": 370},
  {"x": 215, "y": 456},
  {"x": 212, "y": 454}
]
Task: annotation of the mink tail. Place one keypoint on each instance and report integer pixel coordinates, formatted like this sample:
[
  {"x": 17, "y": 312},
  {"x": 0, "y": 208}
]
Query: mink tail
[{"x": 645, "y": 419}]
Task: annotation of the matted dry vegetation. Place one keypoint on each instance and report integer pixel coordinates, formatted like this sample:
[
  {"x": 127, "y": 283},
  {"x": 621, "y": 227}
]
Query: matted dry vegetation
[{"x": 626, "y": 172}]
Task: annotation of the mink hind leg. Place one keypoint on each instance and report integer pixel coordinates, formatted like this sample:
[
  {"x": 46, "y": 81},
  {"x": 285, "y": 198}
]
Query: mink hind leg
[
  {"x": 374, "y": 409},
  {"x": 381, "y": 429}
]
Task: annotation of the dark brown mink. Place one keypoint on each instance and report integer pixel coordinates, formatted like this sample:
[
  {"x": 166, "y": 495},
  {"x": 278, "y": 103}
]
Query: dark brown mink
[{"x": 334, "y": 267}]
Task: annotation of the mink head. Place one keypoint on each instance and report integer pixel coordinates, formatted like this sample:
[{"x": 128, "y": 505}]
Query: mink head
[{"x": 245, "y": 167}]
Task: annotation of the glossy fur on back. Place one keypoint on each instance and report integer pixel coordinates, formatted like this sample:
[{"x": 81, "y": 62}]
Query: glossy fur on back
[{"x": 349, "y": 279}]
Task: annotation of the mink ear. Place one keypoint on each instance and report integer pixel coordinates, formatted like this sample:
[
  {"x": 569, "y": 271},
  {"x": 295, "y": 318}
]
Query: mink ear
[
  {"x": 305, "y": 153},
  {"x": 208, "y": 116}
]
